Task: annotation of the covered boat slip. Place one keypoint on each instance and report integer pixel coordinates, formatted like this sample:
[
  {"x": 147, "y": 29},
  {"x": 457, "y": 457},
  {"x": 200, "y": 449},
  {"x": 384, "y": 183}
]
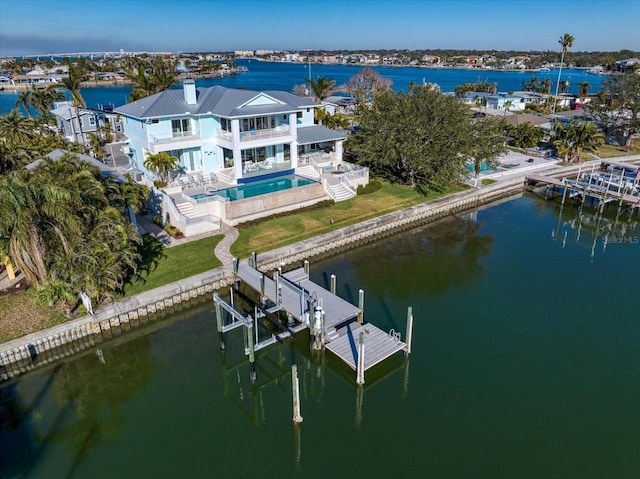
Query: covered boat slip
[{"x": 335, "y": 323}]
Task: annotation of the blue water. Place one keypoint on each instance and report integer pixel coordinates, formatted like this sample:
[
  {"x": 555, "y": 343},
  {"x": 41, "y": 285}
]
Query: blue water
[
  {"x": 284, "y": 76},
  {"x": 257, "y": 188}
]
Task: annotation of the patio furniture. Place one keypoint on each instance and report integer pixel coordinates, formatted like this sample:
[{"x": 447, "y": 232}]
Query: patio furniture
[
  {"x": 266, "y": 165},
  {"x": 184, "y": 182},
  {"x": 251, "y": 167}
]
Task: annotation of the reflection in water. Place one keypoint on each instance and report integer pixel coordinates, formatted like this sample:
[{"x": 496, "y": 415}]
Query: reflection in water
[
  {"x": 441, "y": 258},
  {"x": 596, "y": 230},
  {"x": 89, "y": 392}
]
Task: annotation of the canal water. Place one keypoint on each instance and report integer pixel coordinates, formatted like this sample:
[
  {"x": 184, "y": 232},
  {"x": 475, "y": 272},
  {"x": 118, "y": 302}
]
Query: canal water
[{"x": 525, "y": 364}]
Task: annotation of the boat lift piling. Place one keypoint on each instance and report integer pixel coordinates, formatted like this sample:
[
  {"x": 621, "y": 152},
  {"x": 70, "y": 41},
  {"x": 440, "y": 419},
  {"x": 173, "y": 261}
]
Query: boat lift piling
[
  {"x": 333, "y": 322},
  {"x": 295, "y": 386}
]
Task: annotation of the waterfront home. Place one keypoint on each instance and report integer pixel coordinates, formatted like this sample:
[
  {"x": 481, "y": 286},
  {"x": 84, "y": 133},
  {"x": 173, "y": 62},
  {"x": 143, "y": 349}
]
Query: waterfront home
[
  {"x": 76, "y": 124},
  {"x": 227, "y": 138}
]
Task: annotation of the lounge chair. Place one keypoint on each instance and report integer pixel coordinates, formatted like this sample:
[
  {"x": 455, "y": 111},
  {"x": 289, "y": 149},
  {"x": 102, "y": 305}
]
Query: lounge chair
[
  {"x": 184, "y": 182},
  {"x": 265, "y": 165}
]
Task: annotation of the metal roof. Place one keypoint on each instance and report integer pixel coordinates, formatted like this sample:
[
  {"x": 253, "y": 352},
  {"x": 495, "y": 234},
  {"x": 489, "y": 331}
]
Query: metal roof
[
  {"x": 216, "y": 100},
  {"x": 317, "y": 134}
]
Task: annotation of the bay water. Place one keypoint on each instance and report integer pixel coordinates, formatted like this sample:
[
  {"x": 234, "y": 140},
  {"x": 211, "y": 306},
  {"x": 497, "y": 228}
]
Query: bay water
[
  {"x": 284, "y": 76},
  {"x": 525, "y": 360}
]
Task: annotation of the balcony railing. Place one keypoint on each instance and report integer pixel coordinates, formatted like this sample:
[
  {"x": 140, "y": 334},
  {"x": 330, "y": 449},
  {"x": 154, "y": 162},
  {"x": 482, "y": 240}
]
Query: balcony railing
[
  {"x": 282, "y": 130},
  {"x": 175, "y": 137}
]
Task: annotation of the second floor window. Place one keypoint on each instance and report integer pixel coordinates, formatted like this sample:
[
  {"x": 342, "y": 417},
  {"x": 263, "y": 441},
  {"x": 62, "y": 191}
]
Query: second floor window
[{"x": 181, "y": 127}]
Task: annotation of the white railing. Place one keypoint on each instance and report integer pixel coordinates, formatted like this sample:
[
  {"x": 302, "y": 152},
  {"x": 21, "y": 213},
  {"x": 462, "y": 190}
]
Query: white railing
[
  {"x": 264, "y": 134},
  {"x": 225, "y": 135},
  {"x": 175, "y": 137}
]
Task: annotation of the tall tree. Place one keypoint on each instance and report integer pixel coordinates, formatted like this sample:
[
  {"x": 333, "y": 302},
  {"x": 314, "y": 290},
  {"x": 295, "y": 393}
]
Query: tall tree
[
  {"x": 24, "y": 100},
  {"x": 72, "y": 83},
  {"x": 584, "y": 89},
  {"x": 161, "y": 163},
  {"x": 421, "y": 138},
  {"x": 566, "y": 42},
  {"x": 575, "y": 138},
  {"x": 365, "y": 85},
  {"x": 617, "y": 105},
  {"x": 322, "y": 87},
  {"x": 16, "y": 129}
]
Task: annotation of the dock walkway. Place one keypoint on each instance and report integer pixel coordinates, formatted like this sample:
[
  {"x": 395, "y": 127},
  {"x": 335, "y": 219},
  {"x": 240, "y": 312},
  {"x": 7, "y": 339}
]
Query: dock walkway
[{"x": 297, "y": 295}]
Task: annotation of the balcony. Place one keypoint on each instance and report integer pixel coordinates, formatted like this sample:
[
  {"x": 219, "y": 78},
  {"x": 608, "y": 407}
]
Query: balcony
[
  {"x": 265, "y": 134},
  {"x": 174, "y": 137}
]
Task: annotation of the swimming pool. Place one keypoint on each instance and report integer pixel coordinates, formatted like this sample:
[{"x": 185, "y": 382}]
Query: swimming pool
[{"x": 256, "y": 188}]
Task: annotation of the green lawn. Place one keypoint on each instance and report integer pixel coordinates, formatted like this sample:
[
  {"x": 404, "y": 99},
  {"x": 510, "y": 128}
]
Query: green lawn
[
  {"x": 271, "y": 233},
  {"x": 611, "y": 151},
  {"x": 162, "y": 265}
]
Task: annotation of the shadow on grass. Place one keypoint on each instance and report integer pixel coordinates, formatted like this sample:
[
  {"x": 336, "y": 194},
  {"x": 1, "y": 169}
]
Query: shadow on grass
[{"x": 151, "y": 252}]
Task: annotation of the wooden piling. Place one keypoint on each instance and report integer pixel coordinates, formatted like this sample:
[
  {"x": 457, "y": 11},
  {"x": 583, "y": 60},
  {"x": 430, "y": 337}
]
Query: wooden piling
[
  {"x": 295, "y": 384},
  {"x": 333, "y": 284},
  {"x": 306, "y": 267},
  {"x": 361, "y": 306}
]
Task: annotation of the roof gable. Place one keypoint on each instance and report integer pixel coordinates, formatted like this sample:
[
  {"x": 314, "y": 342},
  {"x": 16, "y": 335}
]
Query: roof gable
[{"x": 261, "y": 100}]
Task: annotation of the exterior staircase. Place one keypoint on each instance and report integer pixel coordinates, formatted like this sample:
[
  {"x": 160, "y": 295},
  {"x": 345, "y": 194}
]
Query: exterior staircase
[
  {"x": 340, "y": 192},
  {"x": 308, "y": 171},
  {"x": 186, "y": 208}
]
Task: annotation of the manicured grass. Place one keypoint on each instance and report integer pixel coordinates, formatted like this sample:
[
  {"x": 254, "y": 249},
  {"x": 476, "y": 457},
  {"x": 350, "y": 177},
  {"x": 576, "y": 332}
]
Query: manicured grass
[
  {"x": 162, "y": 265},
  {"x": 488, "y": 181},
  {"x": 273, "y": 233}
]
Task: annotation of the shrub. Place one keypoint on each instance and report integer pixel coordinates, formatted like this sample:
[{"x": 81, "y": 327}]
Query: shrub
[
  {"x": 174, "y": 231},
  {"x": 372, "y": 187}
]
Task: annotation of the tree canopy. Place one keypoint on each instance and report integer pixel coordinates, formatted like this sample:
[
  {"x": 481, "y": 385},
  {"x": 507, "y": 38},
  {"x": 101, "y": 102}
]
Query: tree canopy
[
  {"x": 66, "y": 230},
  {"x": 422, "y": 138},
  {"x": 617, "y": 105}
]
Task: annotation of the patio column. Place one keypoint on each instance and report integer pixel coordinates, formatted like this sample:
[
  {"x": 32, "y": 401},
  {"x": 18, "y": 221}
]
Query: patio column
[
  {"x": 237, "y": 155},
  {"x": 339, "y": 150},
  {"x": 293, "y": 146}
]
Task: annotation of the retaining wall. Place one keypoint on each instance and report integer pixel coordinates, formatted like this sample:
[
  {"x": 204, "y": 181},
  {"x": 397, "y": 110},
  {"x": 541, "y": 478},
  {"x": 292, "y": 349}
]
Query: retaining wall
[{"x": 37, "y": 349}]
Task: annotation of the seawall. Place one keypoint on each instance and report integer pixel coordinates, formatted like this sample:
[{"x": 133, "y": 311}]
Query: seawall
[{"x": 38, "y": 349}]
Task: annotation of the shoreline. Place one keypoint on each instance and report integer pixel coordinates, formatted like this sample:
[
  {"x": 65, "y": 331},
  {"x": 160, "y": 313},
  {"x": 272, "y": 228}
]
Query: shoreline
[{"x": 40, "y": 348}]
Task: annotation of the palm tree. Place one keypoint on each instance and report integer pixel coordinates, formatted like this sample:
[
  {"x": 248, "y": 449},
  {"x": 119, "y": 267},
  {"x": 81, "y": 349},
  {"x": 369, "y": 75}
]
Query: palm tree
[
  {"x": 24, "y": 99},
  {"x": 161, "y": 163},
  {"x": 31, "y": 214},
  {"x": 566, "y": 42},
  {"x": 577, "y": 137},
  {"x": 322, "y": 87},
  {"x": 584, "y": 89},
  {"x": 72, "y": 83},
  {"x": 16, "y": 129}
]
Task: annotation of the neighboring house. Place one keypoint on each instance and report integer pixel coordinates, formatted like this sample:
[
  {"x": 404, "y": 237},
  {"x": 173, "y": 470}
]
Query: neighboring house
[
  {"x": 239, "y": 135},
  {"x": 6, "y": 79},
  {"x": 339, "y": 104},
  {"x": 75, "y": 125}
]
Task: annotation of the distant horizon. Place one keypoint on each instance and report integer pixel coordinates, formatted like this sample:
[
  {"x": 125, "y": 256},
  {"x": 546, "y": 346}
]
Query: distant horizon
[
  {"x": 38, "y": 27},
  {"x": 292, "y": 50}
]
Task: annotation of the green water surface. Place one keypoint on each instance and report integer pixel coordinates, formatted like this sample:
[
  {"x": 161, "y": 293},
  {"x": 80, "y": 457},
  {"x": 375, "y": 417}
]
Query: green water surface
[{"x": 525, "y": 364}]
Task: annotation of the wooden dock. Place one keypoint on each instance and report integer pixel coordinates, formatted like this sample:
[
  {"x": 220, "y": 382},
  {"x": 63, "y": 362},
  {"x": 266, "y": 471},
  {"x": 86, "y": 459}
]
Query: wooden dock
[
  {"x": 379, "y": 345},
  {"x": 343, "y": 333}
]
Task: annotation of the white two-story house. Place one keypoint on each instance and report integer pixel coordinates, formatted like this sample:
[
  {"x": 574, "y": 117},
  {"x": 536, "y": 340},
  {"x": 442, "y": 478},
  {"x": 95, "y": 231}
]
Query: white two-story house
[{"x": 239, "y": 135}]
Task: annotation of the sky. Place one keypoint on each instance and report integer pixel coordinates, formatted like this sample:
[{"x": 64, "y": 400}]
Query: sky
[{"x": 40, "y": 27}]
